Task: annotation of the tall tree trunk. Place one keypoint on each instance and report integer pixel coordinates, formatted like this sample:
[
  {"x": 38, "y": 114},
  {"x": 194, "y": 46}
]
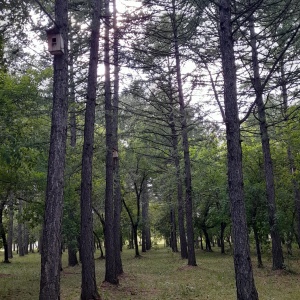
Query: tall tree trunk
[
  {"x": 207, "y": 240},
  {"x": 213, "y": 241},
  {"x": 72, "y": 101},
  {"x": 100, "y": 247},
  {"x": 148, "y": 238},
  {"x": 180, "y": 204},
  {"x": 130, "y": 238},
  {"x": 3, "y": 234},
  {"x": 110, "y": 253},
  {"x": 257, "y": 245},
  {"x": 25, "y": 238},
  {"x": 135, "y": 239},
  {"x": 143, "y": 238},
  {"x": 134, "y": 225},
  {"x": 242, "y": 262},
  {"x": 117, "y": 212},
  {"x": 201, "y": 241},
  {"x": 185, "y": 144},
  {"x": 51, "y": 245},
  {"x": 72, "y": 256},
  {"x": 145, "y": 217},
  {"x": 117, "y": 186},
  {"x": 223, "y": 226},
  {"x": 40, "y": 241},
  {"x": 88, "y": 276},
  {"x": 173, "y": 230},
  {"x": 20, "y": 230},
  {"x": 139, "y": 190},
  {"x": 101, "y": 251},
  {"x": 72, "y": 242},
  {"x": 277, "y": 254},
  {"x": 72, "y": 248},
  {"x": 10, "y": 234}
]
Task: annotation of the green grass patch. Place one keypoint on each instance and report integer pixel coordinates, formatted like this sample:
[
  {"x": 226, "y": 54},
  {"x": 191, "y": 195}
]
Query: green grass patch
[{"x": 158, "y": 274}]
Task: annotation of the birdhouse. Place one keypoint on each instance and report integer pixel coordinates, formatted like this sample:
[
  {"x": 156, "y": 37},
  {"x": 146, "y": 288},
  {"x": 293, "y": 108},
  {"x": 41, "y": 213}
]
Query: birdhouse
[
  {"x": 115, "y": 153},
  {"x": 55, "y": 42}
]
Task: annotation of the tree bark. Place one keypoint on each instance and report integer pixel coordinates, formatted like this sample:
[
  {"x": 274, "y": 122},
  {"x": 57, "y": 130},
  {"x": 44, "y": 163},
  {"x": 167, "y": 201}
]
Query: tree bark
[
  {"x": 26, "y": 238},
  {"x": 139, "y": 190},
  {"x": 145, "y": 217},
  {"x": 130, "y": 238},
  {"x": 135, "y": 239},
  {"x": 72, "y": 241},
  {"x": 72, "y": 101},
  {"x": 135, "y": 224},
  {"x": 51, "y": 246},
  {"x": 207, "y": 240},
  {"x": 72, "y": 256},
  {"x": 201, "y": 241},
  {"x": 88, "y": 277},
  {"x": 20, "y": 231},
  {"x": 110, "y": 253},
  {"x": 100, "y": 247},
  {"x": 257, "y": 246},
  {"x": 277, "y": 254},
  {"x": 223, "y": 226},
  {"x": 148, "y": 238},
  {"x": 180, "y": 203},
  {"x": 31, "y": 249},
  {"x": 117, "y": 185},
  {"x": 3, "y": 234},
  {"x": 173, "y": 230},
  {"x": 242, "y": 262},
  {"x": 185, "y": 144},
  {"x": 10, "y": 234}
]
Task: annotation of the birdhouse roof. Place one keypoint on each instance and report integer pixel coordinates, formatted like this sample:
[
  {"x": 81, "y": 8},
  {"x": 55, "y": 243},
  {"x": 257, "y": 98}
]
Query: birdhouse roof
[{"x": 53, "y": 30}]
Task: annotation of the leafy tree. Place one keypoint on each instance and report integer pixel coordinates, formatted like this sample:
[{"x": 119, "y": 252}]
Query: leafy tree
[
  {"x": 286, "y": 174},
  {"x": 23, "y": 151},
  {"x": 210, "y": 190},
  {"x": 136, "y": 184},
  {"x": 255, "y": 194}
]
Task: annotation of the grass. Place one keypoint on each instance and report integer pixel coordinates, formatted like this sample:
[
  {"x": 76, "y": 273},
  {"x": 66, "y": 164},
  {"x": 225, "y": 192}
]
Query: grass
[{"x": 158, "y": 274}]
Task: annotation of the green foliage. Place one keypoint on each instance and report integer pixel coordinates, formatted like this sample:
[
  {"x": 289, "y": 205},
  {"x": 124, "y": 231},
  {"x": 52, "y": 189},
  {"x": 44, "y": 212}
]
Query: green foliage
[
  {"x": 24, "y": 123},
  {"x": 255, "y": 188},
  {"x": 210, "y": 185},
  {"x": 287, "y": 137},
  {"x": 71, "y": 216}
]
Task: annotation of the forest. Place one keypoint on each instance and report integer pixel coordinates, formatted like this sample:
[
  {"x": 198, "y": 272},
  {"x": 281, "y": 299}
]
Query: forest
[{"x": 131, "y": 124}]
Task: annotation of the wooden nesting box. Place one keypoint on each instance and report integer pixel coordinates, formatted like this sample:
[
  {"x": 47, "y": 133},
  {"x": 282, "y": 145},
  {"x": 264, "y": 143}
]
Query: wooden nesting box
[
  {"x": 115, "y": 153},
  {"x": 55, "y": 42}
]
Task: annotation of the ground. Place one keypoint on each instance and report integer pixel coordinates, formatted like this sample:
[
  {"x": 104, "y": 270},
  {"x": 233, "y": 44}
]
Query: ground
[{"x": 159, "y": 274}]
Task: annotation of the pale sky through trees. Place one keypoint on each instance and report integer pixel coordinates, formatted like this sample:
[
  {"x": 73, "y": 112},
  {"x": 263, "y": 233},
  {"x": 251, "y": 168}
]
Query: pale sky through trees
[{"x": 201, "y": 96}]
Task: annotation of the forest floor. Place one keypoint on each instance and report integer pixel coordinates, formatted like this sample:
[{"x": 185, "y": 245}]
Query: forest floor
[{"x": 158, "y": 274}]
